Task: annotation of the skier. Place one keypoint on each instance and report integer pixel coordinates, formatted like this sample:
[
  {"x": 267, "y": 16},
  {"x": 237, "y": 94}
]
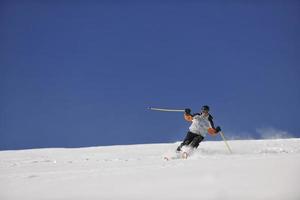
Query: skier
[{"x": 201, "y": 124}]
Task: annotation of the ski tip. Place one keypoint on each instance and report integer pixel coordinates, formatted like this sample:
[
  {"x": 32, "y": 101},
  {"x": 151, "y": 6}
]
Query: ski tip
[{"x": 185, "y": 155}]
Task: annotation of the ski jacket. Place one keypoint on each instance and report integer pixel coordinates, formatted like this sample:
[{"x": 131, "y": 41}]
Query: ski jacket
[{"x": 200, "y": 123}]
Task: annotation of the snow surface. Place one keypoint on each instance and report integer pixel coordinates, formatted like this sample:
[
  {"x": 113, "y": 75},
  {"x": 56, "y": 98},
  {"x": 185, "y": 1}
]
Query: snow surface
[{"x": 258, "y": 169}]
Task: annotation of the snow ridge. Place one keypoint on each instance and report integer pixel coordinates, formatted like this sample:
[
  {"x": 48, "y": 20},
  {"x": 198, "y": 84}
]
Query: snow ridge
[{"x": 257, "y": 169}]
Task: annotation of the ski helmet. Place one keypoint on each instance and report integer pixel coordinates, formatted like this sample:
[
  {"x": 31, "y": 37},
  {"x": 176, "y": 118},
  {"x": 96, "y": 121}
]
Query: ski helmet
[{"x": 206, "y": 107}]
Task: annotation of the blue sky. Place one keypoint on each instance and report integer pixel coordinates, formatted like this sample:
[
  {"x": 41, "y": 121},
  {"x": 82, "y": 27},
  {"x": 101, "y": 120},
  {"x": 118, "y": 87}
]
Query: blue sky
[{"x": 82, "y": 73}]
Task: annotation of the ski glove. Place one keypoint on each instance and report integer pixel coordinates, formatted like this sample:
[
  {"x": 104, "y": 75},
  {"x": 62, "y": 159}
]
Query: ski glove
[
  {"x": 187, "y": 111},
  {"x": 218, "y": 129}
]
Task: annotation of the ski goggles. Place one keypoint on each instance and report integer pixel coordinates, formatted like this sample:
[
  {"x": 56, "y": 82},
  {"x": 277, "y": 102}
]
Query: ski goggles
[{"x": 204, "y": 110}]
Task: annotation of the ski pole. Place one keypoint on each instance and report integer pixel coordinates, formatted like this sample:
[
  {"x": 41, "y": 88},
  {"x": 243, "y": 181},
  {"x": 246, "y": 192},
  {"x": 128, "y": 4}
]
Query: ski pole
[
  {"x": 223, "y": 137},
  {"x": 166, "y": 110}
]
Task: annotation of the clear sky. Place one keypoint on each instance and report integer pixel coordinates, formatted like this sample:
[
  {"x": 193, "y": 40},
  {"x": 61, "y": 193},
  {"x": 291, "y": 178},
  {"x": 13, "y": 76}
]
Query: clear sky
[{"x": 82, "y": 73}]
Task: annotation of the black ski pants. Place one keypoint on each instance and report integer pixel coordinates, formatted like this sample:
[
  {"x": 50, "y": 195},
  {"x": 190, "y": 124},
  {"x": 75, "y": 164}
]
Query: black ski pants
[{"x": 192, "y": 139}]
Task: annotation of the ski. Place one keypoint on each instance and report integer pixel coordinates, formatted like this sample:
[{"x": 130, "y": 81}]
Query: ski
[
  {"x": 185, "y": 153},
  {"x": 180, "y": 155}
]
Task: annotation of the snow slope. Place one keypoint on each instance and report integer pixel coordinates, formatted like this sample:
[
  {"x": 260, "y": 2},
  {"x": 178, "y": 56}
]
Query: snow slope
[{"x": 258, "y": 169}]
